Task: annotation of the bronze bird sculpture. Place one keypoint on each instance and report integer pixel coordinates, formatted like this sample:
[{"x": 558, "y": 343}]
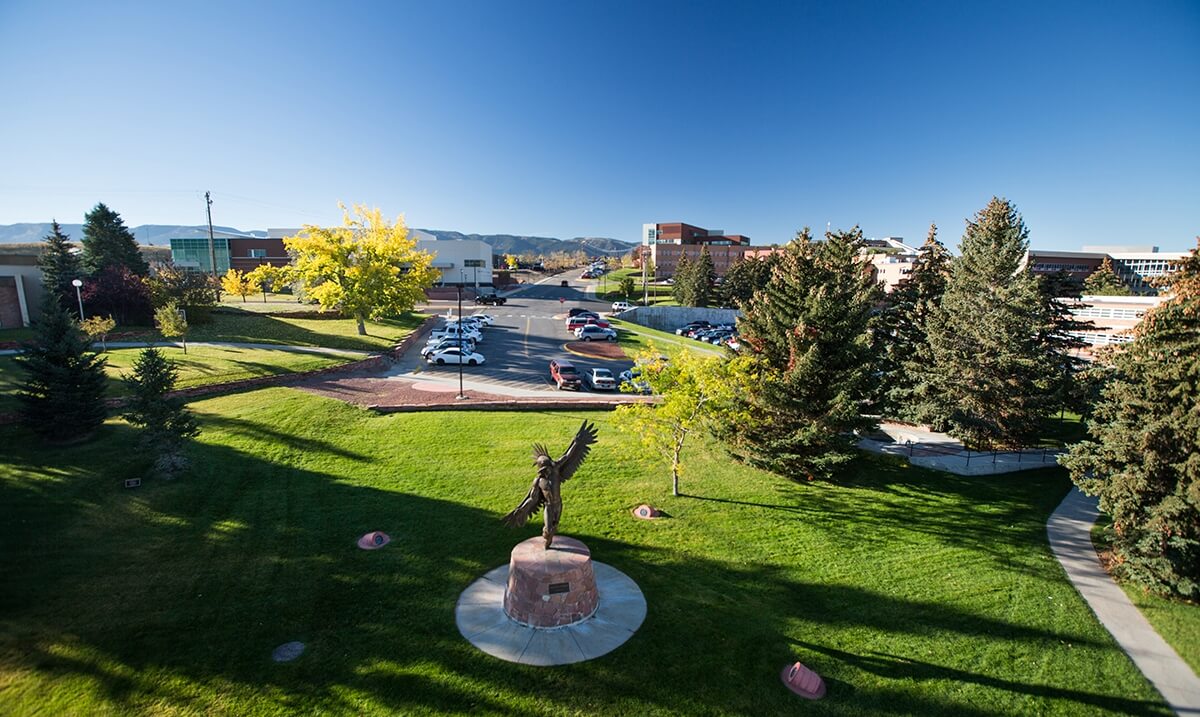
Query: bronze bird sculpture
[{"x": 546, "y": 489}]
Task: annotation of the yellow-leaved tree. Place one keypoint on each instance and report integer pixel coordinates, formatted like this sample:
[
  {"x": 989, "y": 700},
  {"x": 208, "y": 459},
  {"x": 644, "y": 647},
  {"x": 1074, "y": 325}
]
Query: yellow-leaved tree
[
  {"x": 235, "y": 282},
  {"x": 267, "y": 278},
  {"x": 696, "y": 395},
  {"x": 367, "y": 268}
]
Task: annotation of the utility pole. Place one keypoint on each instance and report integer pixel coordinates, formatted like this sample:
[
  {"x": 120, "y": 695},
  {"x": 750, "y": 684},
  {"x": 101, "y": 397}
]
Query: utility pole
[
  {"x": 212, "y": 250},
  {"x": 645, "y": 290}
]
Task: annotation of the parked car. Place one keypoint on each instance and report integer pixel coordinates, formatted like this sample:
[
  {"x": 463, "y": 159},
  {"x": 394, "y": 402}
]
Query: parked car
[
  {"x": 577, "y": 310},
  {"x": 682, "y": 330},
  {"x": 578, "y": 321},
  {"x": 600, "y": 379},
  {"x": 619, "y": 306},
  {"x": 592, "y": 332},
  {"x": 455, "y": 355},
  {"x": 451, "y": 330},
  {"x": 630, "y": 380},
  {"x": 564, "y": 374},
  {"x": 465, "y": 344},
  {"x": 565, "y": 283},
  {"x": 490, "y": 300},
  {"x": 486, "y": 319}
]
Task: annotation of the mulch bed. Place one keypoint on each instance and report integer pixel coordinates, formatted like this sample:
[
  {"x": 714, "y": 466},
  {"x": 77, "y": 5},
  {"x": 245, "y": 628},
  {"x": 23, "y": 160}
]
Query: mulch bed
[{"x": 598, "y": 349}]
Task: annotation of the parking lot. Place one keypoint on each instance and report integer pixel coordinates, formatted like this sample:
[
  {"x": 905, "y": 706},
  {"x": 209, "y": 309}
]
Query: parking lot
[{"x": 529, "y": 331}]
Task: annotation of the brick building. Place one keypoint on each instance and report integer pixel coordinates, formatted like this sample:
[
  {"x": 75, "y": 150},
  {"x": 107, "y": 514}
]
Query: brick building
[{"x": 666, "y": 243}]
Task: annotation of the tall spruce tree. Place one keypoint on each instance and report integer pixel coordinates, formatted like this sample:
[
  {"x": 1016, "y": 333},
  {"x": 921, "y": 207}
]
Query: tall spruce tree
[
  {"x": 745, "y": 278},
  {"x": 60, "y": 266},
  {"x": 703, "y": 279},
  {"x": 107, "y": 243},
  {"x": 164, "y": 421},
  {"x": 989, "y": 378},
  {"x": 1105, "y": 282},
  {"x": 807, "y": 334},
  {"x": 62, "y": 397},
  {"x": 1142, "y": 457},
  {"x": 903, "y": 329},
  {"x": 681, "y": 281}
]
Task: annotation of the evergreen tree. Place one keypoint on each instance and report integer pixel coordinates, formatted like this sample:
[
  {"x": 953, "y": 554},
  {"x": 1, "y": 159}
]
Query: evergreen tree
[
  {"x": 164, "y": 421},
  {"x": 989, "y": 378},
  {"x": 1058, "y": 338},
  {"x": 681, "y": 281},
  {"x": 745, "y": 278},
  {"x": 108, "y": 243},
  {"x": 807, "y": 335},
  {"x": 1061, "y": 284},
  {"x": 703, "y": 279},
  {"x": 903, "y": 327},
  {"x": 62, "y": 397},
  {"x": 1143, "y": 455},
  {"x": 1105, "y": 282},
  {"x": 60, "y": 266}
]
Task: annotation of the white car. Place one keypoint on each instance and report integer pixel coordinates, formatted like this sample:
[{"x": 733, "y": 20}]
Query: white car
[
  {"x": 429, "y": 348},
  {"x": 591, "y": 332},
  {"x": 485, "y": 319},
  {"x": 619, "y": 306},
  {"x": 451, "y": 331},
  {"x": 455, "y": 355},
  {"x": 599, "y": 379}
]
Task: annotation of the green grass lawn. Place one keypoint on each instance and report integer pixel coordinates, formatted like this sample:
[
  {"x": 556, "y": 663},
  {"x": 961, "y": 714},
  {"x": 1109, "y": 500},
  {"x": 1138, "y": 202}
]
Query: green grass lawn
[
  {"x": 200, "y": 366},
  {"x": 274, "y": 302},
  {"x": 250, "y": 327},
  {"x": 663, "y": 341},
  {"x": 1177, "y": 621},
  {"x": 656, "y": 293},
  {"x": 22, "y": 334},
  {"x": 911, "y": 592}
]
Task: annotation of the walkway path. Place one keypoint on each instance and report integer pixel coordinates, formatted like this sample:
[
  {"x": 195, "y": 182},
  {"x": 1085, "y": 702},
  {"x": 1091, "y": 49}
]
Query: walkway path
[
  {"x": 1070, "y": 531},
  {"x": 929, "y": 449},
  {"x": 350, "y": 353}
]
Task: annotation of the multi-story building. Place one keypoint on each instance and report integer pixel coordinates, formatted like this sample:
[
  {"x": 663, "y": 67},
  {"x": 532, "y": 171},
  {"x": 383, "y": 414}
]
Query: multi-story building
[
  {"x": 20, "y": 286},
  {"x": 1136, "y": 266},
  {"x": 665, "y": 244},
  {"x": 891, "y": 260},
  {"x": 1113, "y": 317}
]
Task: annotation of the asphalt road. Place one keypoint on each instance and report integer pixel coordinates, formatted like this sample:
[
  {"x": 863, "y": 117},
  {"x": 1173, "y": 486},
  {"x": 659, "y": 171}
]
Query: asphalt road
[{"x": 530, "y": 330}]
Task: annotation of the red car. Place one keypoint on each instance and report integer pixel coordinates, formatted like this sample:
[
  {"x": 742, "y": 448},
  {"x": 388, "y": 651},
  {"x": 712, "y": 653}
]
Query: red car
[
  {"x": 564, "y": 374},
  {"x": 576, "y": 321}
]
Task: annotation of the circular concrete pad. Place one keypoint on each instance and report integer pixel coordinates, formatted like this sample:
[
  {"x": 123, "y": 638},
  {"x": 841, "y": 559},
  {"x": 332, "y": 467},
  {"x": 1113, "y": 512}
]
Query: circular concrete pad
[{"x": 481, "y": 619}]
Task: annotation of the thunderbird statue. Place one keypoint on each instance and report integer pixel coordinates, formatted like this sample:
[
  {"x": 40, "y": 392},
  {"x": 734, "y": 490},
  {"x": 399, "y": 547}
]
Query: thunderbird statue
[{"x": 546, "y": 489}]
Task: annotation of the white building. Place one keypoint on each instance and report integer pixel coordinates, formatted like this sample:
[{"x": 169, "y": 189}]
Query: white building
[
  {"x": 463, "y": 262},
  {"x": 20, "y": 289}
]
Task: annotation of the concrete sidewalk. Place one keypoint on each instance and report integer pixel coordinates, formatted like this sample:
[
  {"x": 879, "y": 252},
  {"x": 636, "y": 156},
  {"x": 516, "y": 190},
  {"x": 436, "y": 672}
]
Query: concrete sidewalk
[
  {"x": 938, "y": 451},
  {"x": 1069, "y": 530}
]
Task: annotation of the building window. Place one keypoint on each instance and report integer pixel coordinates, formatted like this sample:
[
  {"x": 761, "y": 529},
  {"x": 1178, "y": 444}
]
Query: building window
[{"x": 258, "y": 253}]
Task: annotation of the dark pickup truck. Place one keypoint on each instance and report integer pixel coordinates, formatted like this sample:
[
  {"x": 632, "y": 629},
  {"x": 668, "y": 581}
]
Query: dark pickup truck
[{"x": 490, "y": 300}]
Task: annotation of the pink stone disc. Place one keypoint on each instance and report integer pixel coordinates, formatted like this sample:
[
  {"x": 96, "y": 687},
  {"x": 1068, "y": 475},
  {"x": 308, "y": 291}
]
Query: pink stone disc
[
  {"x": 645, "y": 512},
  {"x": 803, "y": 681},
  {"x": 374, "y": 540}
]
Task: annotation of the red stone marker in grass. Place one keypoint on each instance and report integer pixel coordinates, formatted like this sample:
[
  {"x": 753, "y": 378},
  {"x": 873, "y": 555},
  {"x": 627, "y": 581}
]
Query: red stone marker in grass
[
  {"x": 374, "y": 540},
  {"x": 803, "y": 681},
  {"x": 646, "y": 512}
]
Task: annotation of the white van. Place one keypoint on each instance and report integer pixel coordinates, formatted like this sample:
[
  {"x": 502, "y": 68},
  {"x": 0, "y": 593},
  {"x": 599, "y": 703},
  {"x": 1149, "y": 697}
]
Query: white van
[{"x": 619, "y": 306}]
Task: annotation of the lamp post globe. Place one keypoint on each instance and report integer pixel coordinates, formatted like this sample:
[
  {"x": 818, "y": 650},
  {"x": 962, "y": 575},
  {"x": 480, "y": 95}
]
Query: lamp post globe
[{"x": 79, "y": 296}]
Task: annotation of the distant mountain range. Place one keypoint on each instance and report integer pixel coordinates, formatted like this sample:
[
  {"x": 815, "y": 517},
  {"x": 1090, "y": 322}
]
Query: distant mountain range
[{"x": 161, "y": 234}]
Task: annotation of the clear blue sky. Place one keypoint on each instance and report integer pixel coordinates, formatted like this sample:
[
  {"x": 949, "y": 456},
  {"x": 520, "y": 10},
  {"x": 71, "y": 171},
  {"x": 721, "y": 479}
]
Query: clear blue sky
[{"x": 574, "y": 118}]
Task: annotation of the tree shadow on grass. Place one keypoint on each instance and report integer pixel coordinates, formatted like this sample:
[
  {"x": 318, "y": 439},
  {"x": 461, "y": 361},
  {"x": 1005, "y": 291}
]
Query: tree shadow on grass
[{"x": 174, "y": 596}]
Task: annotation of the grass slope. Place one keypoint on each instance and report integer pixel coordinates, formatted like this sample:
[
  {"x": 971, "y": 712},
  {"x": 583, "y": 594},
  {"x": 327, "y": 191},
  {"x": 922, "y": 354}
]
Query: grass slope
[
  {"x": 912, "y": 592},
  {"x": 249, "y": 327},
  {"x": 200, "y": 366}
]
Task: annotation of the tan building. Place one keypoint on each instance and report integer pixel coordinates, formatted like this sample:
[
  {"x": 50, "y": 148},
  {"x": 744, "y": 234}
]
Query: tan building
[{"x": 1114, "y": 316}]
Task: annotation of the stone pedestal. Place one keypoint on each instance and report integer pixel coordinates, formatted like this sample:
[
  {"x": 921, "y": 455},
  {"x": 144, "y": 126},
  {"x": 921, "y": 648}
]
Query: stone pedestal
[{"x": 550, "y": 588}]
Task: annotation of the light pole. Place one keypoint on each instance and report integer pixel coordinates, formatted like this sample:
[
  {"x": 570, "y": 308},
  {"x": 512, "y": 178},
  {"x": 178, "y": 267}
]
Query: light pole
[
  {"x": 461, "y": 344},
  {"x": 77, "y": 283}
]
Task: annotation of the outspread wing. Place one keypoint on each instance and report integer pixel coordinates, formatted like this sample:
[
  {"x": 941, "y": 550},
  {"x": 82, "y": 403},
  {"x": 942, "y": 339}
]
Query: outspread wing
[
  {"x": 578, "y": 450},
  {"x": 521, "y": 514}
]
